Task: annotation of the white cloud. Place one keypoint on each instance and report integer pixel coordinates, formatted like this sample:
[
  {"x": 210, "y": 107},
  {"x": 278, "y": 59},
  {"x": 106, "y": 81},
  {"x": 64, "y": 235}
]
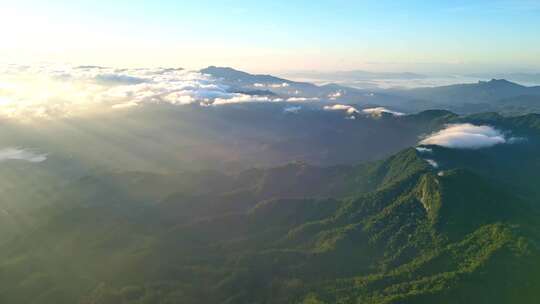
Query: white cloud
[
  {"x": 424, "y": 150},
  {"x": 301, "y": 99},
  {"x": 279, "y": 85},
  {"x": 239, "y": 98},
  {"x": 180, "y": 98},
  {"x": 50, "y": 91},
  {"x": 271, "y": 85},
  {"x": 465, "y": 136},
  {"x": 340, "y": 107},
  {"x": 21, "y": 154},
  {"x": 433, "y": 163},
  {"x": 335, "y": 95},
  {"x": 378, "y": 111},
  {"x": 118, "y": 79},
  {"x": 124, "y": 105}
]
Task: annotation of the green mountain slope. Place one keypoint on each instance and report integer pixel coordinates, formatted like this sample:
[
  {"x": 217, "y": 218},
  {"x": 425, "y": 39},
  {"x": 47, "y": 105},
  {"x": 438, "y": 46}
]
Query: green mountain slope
[{"x": 391, "y": 231}]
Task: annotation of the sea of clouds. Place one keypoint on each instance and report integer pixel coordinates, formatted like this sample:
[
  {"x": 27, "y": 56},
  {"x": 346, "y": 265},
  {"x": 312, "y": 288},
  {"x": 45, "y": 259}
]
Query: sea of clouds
[{"x": 49, "y": 91}]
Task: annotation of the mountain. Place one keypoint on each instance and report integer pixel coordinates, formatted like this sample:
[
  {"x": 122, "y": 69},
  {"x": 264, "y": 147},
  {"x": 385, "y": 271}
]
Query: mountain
[
  {"x": 396, "y": 230},
  {"x": 169, "y": 138},
  {"x": 240, "y": 81},
  {"x": 355, "y": 75},
  {"x": 501, "y": 162},
  {"x": 532, "y": 78},
  {"x": 235, "y": 76},
  {"x": 493, "y": 95},
  {"x": 467, "y": 98},
  {"x": 518, "y": 105}
]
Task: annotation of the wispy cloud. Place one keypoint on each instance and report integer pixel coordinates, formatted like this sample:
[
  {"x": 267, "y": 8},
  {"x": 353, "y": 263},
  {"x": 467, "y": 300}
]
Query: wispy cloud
[
  {"x": 11, "y": 153},
  {"x": 424, "y": 150},
  {"x": 292, "y": 109},
  {"x": 271, "y": 85},
  {"x": 432, "y": 163}
]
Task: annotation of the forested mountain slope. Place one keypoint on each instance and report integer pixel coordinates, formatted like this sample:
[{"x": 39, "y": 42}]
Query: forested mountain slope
[{"x": 398, "y": 230}]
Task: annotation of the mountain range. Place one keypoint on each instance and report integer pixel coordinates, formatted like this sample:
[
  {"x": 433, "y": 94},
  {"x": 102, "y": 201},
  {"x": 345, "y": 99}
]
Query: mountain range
[
  {"x": 426, "y": 224},
  {"x": 495, "y": 95}
]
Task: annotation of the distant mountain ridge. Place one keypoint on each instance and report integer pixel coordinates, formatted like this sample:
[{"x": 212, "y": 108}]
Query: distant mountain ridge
[
  {"x": 532, "y": 78},
  {"x": 358, "y": 75},
  {"x": 233, "y": 75},
  {"x": 240, "y": 81},
  {"x": 493, "y": 95},
  {"x": 472, "y": 98},
  {"x": 475, "y": 92}
]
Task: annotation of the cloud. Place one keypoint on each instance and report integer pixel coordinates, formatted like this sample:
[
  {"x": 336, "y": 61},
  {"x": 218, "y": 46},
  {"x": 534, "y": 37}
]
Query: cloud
[
  {"x": 335, "y": 95},
  {"x": 21, "y": 154},
  {"x": 516, "y": 140},
  {"x": 46, "y": 91},
  {"x": 301, "y": 99},
  {"x": 424, "y": 150},
  {"x": 118, "y": 79},
  {"x": 433, "y": 163},
  {"x": 271, "y": 85},
  {"x": 378, "y": 111},
  {"x": 51, "y": 91},
  {"x": 279, "y": 85},
  {"x": 238, "y": 98},
  {"x": 292, "y": 109},
  {"x": 340, "y": 107},
  {"x": 124, "y": 105},
  {"x": 465, "y": 136}
]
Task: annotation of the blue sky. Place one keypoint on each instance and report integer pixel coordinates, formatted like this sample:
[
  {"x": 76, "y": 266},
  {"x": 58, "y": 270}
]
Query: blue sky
[{"x": 426, "y": 36}]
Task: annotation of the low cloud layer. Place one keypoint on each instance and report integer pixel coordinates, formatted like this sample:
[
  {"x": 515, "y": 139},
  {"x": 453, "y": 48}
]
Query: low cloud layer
[
  {"x": 340, "y": 107},
  {"x": 51, "y": 91},
  {"x": 378, "y": 111},
  {"x": 21, "y": 154},
  {"x": 351, "y": 110},
  {"x": 466, "y": 136}
]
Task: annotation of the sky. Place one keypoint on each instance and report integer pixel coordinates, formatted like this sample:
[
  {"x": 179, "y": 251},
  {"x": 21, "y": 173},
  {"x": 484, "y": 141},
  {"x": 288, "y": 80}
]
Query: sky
[{"x": 277, "y": 36}]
